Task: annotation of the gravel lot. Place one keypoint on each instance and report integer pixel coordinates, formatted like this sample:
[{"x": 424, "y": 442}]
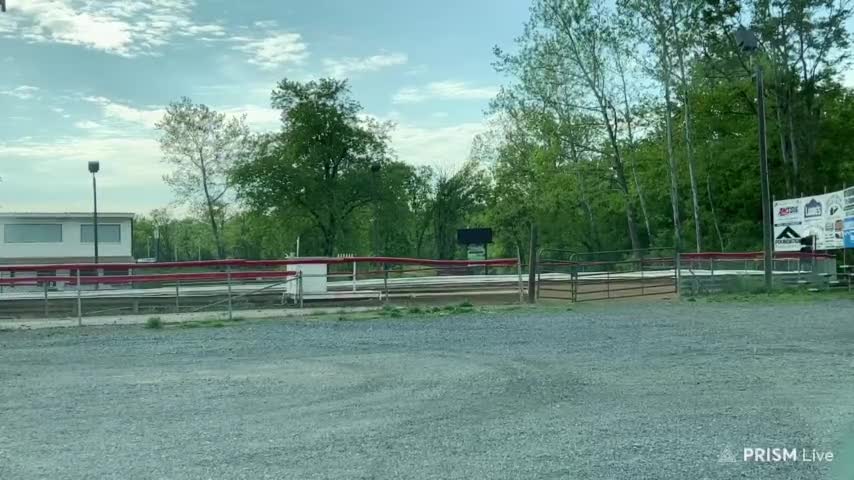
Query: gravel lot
[{"x": 630, "y": 391}]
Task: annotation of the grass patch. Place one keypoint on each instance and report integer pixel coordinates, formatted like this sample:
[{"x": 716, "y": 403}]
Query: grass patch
[
  {"x": 213, "y": 322},
  {"x": 154, "y": 323},
  {"x": 792, "y": 295}
]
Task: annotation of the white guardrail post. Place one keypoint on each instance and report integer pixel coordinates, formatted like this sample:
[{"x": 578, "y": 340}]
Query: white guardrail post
[{"x": 299, "y": 287}]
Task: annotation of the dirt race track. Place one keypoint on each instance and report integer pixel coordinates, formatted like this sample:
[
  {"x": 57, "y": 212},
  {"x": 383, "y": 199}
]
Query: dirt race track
[{"x": 631, "y": 390}]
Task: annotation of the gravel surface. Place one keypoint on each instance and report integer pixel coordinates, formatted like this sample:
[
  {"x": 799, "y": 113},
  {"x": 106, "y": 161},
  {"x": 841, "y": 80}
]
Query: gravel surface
[{"x": 630, "y": 391}]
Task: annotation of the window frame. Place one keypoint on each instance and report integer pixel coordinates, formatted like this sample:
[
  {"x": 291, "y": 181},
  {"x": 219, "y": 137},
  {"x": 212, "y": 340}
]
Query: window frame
[
  {"x": 26, "y": 242},
  {"x": 100, "y": 226}
]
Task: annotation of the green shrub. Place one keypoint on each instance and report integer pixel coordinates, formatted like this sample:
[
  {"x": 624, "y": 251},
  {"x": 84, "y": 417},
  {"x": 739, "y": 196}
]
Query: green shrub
[{"x": 154, "y": 323}]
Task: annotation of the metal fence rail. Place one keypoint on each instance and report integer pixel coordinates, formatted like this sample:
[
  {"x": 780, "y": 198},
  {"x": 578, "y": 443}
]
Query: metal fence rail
[
  {"x": 85, "y": 289},
  {"x": 577, "y": 277}
]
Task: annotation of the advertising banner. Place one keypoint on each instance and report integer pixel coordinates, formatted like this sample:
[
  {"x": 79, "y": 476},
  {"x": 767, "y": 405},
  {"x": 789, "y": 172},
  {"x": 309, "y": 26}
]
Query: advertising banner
[
  {"x": 834, "y": 219},
  {"x": 825, "y": 217},
  {"x": 849, "y": 232},
  {"x": 848, "y": 224},
  {"x": 788, "y": 219}
]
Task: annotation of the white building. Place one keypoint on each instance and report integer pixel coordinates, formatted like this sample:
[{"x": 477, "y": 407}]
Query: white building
[{"x": 41, "y": 238}]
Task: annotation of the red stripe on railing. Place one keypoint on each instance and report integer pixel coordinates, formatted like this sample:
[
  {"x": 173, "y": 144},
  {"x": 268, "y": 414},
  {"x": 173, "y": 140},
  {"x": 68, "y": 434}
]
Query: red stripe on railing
[
  {"x": 258, "y": 263},
  {"x": 154, "y": 278},
  {"x": 753, "y": 256}
]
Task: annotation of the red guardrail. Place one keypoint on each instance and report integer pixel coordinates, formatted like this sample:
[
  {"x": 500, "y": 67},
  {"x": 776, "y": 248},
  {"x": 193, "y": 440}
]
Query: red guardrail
[
  {"x": 753, "y": 256},
  {"x": 162, "y": 277},
  {"x": 258, "y": 263}
]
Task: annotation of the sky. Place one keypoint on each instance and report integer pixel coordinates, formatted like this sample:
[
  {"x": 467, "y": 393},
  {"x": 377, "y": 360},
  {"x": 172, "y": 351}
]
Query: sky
[{"x": 85, "y": 80}]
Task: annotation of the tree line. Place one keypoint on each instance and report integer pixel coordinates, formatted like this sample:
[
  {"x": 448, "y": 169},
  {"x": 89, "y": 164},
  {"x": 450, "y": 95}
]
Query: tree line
[{"x": 620, "y": 125}]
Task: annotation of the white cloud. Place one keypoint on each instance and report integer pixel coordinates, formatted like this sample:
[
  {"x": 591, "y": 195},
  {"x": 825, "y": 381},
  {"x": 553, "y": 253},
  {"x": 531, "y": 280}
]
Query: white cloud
[
  {"x": 117, "y": 111},
  {"x": 447, "y": 90},
  {"x": 258, "y": 118},
  {"x": 23, "y": 92},
  {"x": 345, "y": 67},
  {"x": 87, "y": 125},
  {"x": 273, "y": 51},
  {"x": 445, "y": 148},
  {"x": 121, "y": 27},
  {"x": 130, "y": 177}
]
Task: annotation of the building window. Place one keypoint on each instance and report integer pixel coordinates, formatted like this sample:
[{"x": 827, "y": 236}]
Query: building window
[
  {"x": 32, "y": 233},
  {"x": 107, "y": 233}
]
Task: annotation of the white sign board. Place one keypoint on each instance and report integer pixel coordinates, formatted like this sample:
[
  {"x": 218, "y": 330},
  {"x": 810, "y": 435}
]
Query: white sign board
[
  {"x": 788, "y": 218},
  {"x": 820, "y": 216}
]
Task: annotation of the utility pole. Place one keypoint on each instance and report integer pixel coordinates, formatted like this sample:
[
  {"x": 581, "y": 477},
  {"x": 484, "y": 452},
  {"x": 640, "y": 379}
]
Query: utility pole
[
  {"x": 532, "y": 265},
  {"x": 767, "y": 240},
  {"x": 748, "y": 43},
  {"x": 93, "y": 169}
]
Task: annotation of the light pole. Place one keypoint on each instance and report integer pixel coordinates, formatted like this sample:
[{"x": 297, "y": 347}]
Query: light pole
[
  {"x": 93, "y": 169},
  {"x": 748, "y": 43},
  {"x": 375, "y": 171}
]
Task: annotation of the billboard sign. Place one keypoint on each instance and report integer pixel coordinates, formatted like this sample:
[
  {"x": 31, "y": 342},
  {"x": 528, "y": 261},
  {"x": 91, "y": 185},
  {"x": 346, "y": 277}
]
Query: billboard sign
[
  {"x": 788, "y": 218},
  {"x": 848, "y": 223},
  {"x": 832, "y": 221},
  {"x": 849, "y": 232},
  {"x": 824, "y": 217}
]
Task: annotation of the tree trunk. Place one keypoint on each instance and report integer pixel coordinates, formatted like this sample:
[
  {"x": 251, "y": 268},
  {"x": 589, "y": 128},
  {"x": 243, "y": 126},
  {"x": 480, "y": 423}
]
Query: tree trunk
[
  {"x": 585, "y": 201},
  {"x": 686, "y": 114},
  {"x": 630, "y": 158},
  {"x": 793, "y": 146},
  {"x": 781, "y": 134},
  {"x": 220, "y": 247},
  {"x": 621, "y": 180},
  {"x": 674, "y": 172},
  {"x": 714, "y": 215}
]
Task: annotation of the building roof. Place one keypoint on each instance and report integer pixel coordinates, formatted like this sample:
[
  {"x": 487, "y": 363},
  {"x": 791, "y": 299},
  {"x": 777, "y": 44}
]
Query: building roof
[{"x": 64, "y": 214}]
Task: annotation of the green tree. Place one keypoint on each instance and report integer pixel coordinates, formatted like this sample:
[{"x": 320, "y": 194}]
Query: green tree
[
  {"x": 201, "y": 146},
  {"x": 328, "y": 161}
]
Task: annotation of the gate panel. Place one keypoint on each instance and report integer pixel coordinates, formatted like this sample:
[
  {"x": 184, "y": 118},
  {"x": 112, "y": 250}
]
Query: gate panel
[{"x": 607, "y": 275}]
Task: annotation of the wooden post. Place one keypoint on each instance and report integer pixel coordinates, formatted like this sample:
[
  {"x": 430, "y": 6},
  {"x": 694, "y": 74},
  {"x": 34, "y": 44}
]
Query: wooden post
[
  {"x": 228, "y": 279},
  {"x": 178, "y": 296},
  {"x": 519, "y": 274},
  {"x": 46, "y": 310},
  {"x": 532, "y": 266},
  {"x": 385, "y": 281},
  {"x": 643, "y": 287},
  {"x": 79, "y": 301}
]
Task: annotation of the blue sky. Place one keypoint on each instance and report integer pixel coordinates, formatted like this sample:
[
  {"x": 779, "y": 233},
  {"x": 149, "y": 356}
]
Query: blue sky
[{"x": 87, "y": 79}]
